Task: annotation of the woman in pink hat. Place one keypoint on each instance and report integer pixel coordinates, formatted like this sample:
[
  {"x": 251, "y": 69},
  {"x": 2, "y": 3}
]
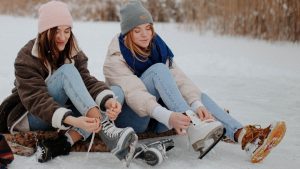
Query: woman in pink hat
[{"x": 54, "y": 90}]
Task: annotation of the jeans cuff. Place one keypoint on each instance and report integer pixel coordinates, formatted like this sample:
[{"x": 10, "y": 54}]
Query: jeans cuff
[{"x": 82, "y": 132}]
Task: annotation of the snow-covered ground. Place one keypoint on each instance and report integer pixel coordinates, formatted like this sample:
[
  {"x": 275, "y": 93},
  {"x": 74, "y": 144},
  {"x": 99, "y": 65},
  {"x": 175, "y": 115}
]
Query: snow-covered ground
[{"x": 256, "y": 80}]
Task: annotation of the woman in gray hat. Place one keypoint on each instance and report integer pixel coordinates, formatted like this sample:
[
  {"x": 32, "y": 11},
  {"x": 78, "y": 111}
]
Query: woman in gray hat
[{"x": 159, "y": 96}]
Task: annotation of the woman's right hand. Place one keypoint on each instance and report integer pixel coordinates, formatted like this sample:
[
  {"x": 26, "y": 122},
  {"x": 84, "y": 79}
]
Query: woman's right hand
[
  {"x": 85, "y": 123},
  {"x": 179, "y": 122}
]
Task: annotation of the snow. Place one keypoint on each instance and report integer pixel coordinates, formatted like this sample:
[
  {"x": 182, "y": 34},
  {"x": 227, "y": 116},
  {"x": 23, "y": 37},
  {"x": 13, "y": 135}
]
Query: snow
[{"x": 257, "y": 81}]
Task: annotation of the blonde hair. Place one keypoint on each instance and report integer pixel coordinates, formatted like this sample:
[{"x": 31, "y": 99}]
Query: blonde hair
[{"x": 135, "y": 49}]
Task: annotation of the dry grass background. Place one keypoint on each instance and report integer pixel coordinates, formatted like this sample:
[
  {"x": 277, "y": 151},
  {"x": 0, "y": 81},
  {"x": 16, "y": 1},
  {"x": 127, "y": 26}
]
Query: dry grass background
[
  {"x": 266, "y": 19},
  {"x": 263, "y": 19}
]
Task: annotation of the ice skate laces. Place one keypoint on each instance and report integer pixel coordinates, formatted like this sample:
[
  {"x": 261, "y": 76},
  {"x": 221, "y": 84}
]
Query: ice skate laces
[
  {"x": 40, "y": 152},
  {"x": 90, "y": 146},
  {"x": 110, "y": 130},
  {"x": 254, "y": 137}
]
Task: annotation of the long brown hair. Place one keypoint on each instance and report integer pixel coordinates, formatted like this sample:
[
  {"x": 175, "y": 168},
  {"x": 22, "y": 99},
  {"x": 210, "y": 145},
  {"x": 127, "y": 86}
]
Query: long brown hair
[
  {"x": 135, "y": 49},
  {"x": 49, "y": 54}
]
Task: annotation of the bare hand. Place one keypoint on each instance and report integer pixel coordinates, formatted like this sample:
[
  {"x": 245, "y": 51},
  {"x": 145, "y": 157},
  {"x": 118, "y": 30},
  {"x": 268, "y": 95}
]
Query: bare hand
[
  {"x": 179, "y": 122},
  {"x": 204, "y": 114},
  {"x": 94, "y": 113},
  {"x": 113, "y": 108},
  {"x": 85, "y": 123}
]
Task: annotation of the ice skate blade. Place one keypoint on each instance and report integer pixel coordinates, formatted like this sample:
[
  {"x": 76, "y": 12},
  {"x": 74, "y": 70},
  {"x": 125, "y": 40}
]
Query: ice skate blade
[
  {"x": 132, "y": 146},
  {"x": 215, "y": 134},
  {"x": 270, "y": 142}
]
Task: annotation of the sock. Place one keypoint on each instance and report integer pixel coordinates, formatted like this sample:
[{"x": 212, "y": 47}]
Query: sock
[
  {"x": 241, "y": 135},
  {"x": 70, "y": 140},
  {"x": 237, "y": 134}
]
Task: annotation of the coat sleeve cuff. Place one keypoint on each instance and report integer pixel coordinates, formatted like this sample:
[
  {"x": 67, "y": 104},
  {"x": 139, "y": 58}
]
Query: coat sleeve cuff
[
  {"x": 102, "y": 104},
  {"x": 57, "y": 118},
  {"x": 103, "y": 96}
]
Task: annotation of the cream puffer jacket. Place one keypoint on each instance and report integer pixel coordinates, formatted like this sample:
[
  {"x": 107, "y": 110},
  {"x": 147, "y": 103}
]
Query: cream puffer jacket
[{"x": 117, "y": 72}]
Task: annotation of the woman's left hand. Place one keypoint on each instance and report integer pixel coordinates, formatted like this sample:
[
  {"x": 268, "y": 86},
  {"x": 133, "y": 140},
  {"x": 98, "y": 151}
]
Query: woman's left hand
[
  {"x": 204, "y": 114},
  {"x": 113, "y": 108}
]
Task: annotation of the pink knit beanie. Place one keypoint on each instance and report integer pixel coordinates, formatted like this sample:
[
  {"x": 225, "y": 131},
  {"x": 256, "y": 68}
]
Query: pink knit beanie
[{"x": 52, "y": 14}]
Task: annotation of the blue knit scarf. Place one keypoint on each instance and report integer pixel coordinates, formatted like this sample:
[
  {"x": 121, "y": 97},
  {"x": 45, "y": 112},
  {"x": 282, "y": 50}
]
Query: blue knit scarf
[{"x": 160, "y": 53}]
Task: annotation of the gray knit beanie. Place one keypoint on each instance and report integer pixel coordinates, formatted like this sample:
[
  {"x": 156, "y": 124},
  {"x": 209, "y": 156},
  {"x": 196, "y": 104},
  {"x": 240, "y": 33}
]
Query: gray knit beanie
[{"x": 132, "y": 15}]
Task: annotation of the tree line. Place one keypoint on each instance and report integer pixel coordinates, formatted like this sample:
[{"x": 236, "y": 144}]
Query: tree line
[{"x": 263, "y": 19}]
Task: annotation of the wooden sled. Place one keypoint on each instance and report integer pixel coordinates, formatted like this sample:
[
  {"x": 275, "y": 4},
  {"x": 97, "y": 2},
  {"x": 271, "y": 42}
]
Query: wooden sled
[{"x": 24, "y": 143}]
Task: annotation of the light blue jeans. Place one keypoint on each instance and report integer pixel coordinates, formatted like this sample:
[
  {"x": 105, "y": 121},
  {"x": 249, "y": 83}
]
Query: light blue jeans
[
  {"x": 161, "y": 84},
  {"x": 66, "y": 83}
]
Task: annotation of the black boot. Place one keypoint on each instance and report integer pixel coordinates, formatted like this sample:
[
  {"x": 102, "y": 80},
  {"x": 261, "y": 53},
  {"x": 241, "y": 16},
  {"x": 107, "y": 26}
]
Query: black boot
[{"x": 48, "y": 149}]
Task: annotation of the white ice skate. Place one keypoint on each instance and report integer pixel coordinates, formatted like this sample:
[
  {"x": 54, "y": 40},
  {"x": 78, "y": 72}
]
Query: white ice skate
[{"x": 199, "y": 132}]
